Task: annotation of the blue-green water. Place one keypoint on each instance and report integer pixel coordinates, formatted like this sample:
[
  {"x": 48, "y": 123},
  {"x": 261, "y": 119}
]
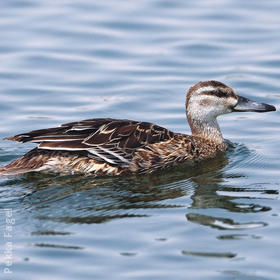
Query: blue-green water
[{"x": 63, "y": 61}]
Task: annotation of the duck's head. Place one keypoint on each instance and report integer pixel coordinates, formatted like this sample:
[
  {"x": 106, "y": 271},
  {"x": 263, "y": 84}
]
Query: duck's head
[{"x": 207, "y": 100}]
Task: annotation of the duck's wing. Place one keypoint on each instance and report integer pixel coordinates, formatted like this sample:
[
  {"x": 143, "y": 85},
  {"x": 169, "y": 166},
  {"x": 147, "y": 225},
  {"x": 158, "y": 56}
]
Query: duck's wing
[{"x": 106, "y": 140}]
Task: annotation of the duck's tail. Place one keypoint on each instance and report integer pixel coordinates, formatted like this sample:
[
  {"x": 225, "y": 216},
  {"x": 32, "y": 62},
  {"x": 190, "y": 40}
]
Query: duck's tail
[
  {"x": 6, "y": 171},
  {"x": 24, "y": 164}
]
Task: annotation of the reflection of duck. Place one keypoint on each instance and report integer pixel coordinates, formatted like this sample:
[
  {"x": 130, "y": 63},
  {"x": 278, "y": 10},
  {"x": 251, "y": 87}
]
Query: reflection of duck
[
  {"x": 102, "y": 199},
  {"x": 109, "y": 146},
  {"x": 212, "y": 190},
  {"x": 107, "y": 198}
]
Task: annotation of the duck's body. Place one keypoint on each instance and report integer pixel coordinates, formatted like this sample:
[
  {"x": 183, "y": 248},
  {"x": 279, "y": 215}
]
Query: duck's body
[{"x": 110, "y": 146}]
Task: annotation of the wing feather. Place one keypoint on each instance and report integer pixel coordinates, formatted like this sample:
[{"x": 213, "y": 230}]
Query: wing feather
[{"x": 106, "y": 140}]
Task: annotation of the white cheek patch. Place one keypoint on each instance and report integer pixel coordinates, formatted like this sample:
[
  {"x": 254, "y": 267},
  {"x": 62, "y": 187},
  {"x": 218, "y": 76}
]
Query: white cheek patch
[
  {"x": 232, "y": 101},
  {"x": 208, "y": 107},
  {"x": 195, "y": 108},
  {"x": 208, "y": 88}
]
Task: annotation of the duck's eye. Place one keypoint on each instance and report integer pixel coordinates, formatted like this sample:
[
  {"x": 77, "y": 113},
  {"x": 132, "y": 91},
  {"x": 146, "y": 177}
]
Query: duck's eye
[{"x": 220, "y": 93}]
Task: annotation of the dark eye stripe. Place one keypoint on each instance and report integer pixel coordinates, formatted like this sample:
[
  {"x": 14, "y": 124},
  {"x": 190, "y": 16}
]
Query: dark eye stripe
[{"x": 219, "y": 93}]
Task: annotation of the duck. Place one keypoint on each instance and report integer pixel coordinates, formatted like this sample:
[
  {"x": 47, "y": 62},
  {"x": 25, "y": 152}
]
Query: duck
[{"x": 106, "y": 146}]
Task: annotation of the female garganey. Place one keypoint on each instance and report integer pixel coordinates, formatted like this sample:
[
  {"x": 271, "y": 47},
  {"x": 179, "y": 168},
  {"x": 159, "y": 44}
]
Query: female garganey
[{"x": 111, "y": 146}]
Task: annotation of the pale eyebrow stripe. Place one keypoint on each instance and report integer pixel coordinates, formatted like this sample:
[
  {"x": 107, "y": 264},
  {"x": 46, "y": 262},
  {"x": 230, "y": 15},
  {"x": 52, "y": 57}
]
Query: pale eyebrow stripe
[{"x": 208, "y": 88}]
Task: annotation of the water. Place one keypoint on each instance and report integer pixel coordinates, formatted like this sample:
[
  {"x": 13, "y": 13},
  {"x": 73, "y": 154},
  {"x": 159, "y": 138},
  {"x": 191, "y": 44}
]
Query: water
[{"x": 63, "y": 61}]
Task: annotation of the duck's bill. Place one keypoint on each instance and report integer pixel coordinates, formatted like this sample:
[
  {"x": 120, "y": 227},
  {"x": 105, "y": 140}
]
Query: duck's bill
[{"x": 247, "y": 105}]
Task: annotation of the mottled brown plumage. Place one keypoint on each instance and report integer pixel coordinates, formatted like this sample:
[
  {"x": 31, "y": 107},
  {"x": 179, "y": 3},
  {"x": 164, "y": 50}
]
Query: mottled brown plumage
[{"x": 111, "y": 146}]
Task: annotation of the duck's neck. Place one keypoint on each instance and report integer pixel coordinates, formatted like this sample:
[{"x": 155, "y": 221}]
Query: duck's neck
[{"x": 208, "y": 129}]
